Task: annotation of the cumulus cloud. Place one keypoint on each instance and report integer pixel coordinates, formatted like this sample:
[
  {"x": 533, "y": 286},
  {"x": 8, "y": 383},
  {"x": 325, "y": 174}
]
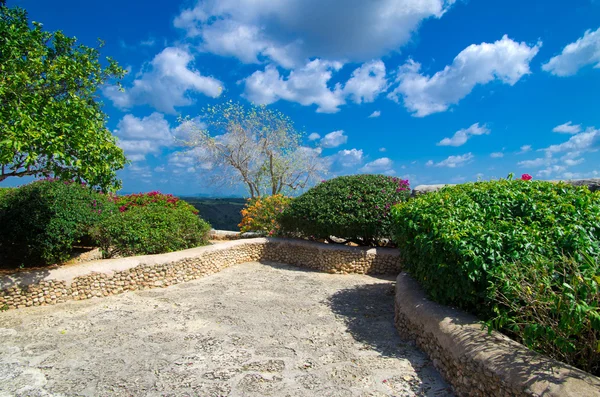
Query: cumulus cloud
[
  {"x": 504, "y": 60},
  {"x": 497, "y": 155},
  {"x": 306, "y": 86},
  {"x": 587, "y": 141},
  {"x": 382, "y": 149},
  {"x": 525, "y": 149},
  {"x": 567, "y": 128},
  {"x": 585, "y": 51},
  {"x": 461, "y": 136},
  {"x": 345, "y": 159},
  {"x": 289, "y": 32},
  {"x": 314, "y": 136},
  {"x": 560, "y": 157},
  {"x": 381, "y": 165},
  {"x": 376, "y": 113},
  {"x": 167, "y": 84},
  {"x": 141, "y": 136},
  {"x": 189, "y": 161},
  {"x": 334, "y": 139},
  {"x": 309, "y": 85},
  {"x": 452, "y": 161},
  {"x": 366, "y": 82}
]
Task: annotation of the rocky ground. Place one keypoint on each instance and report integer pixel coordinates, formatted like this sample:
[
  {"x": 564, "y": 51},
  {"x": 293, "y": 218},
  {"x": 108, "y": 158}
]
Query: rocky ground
[{"x": 251, "y": 330}]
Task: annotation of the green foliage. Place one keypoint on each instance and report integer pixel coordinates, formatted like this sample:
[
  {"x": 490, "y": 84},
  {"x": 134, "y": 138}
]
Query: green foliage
[
  {"x": 354, "y": 208},
  {"x": 51, "y": 121},
  {"x": 452, "y": 239},
  {"x": 151, "y": 229},
  {"x": 261, "y": 214},
  {"x": 551, "y": 307},
  {"x": 143, "y": 199},
  {"x": 4, "y": 191},
  {"x": 43, "y": 220}
]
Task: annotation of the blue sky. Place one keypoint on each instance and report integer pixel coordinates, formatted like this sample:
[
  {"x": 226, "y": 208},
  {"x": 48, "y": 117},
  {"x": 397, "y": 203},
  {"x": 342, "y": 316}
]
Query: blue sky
[{"x": 435, "y": 91}]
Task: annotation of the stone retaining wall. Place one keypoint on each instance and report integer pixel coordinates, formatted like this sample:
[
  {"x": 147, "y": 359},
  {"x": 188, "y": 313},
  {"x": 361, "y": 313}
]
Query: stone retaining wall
[
  {"x": 114, "y": 276},
  {"x": 478, "y": 363}
]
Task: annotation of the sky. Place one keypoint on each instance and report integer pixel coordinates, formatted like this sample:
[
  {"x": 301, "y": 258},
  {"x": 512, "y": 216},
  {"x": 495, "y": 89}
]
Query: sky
[{"x": 433, "y": 91}]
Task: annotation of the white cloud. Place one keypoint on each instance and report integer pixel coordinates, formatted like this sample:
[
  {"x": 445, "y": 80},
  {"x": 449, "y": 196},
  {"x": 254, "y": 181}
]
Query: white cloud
[
  {"x": 382, "y": 149},
  {"x": 366, "y": 82},
  {"x": 141, "y": 136},
  {"x": 461, "y": 137},
  {"x": 382, "y": 165},
  {"x": 551, "y": 170},
  {"x": 535, "y": 163},
  {"x": 334, "y": 139},
  {"x": 289, "y": 32},
  {"x": 346, "y": 158},
  {"x": 314, "y": 136},
  {"x": 306, "y": 86},
  {"x": 167, "y": 84},
  {"x": 585, "y": 51},
  {"x": 148, "y": 43},
  {"x": 376, "y": 113},
  {"x": 452, "y": 161},
  {"x": 189, "y": 161},
  {"x": 497, "y": 155},
  {"x": 525, "y": 149},
  {"x": 504, "y": 60},
  {"x": 583, "y": 142},
  {"x": 567, "y": 128}
]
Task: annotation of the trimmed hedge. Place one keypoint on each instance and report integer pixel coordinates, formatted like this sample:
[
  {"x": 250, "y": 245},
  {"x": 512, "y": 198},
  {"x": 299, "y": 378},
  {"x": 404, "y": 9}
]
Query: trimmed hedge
[
  {"x": 354, "y": 208},
  {"x": 151, "y": 229},
  {"x": 42, "y": 221},
  {"x": 522, "y": 255},
  {"x": 451, "y": 239}
]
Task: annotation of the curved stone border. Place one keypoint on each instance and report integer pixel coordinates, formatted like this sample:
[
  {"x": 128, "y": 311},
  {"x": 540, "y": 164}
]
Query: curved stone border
[
  {"x": 478, "y": 363},
  {"x": 114, "y": 276}
]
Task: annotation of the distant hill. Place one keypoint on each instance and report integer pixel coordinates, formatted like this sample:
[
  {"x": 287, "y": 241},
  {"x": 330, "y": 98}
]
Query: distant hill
[{"x": 221, "y": 213}]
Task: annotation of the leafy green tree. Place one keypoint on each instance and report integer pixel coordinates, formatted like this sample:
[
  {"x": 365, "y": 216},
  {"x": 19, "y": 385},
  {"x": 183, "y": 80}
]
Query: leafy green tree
[
  {"x": 51, "y": 122},
  {"x": 254, "y": 145}
]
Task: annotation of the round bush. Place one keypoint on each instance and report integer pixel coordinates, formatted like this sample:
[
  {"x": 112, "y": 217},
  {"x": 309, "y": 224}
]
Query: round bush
[
  {"x": 354, "y": 208},
  {"x": 151, "y": 229},
  {"x": 452, "y": 240},
  {"x": 42, "y": 221}
]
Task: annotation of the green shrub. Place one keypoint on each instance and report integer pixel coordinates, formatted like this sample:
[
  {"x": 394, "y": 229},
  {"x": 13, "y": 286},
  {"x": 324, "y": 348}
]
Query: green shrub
[
  {"x": 354, "y": 208},
  {"x": 452, "y": 239},
  {"x": 5, "y": 191},
  {"x": 151, "y": 229},
  {"x": 551, "y": 307},
  {"x": 42, "y": 221}
]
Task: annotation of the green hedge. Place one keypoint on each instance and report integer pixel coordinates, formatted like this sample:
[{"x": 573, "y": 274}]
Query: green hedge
[
  {"x": 451, "y": 239},
  {"x": 522, "y": 255},
  {"x": 151, "y": 229},
  {"x": 354, "y": 208},
  {"x": 42, "y": 221}
]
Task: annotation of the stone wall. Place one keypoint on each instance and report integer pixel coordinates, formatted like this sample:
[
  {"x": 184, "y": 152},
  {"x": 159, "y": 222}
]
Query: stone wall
[
  {"x": 114, "y": 276},
  {"x": 478, "y": 363}
]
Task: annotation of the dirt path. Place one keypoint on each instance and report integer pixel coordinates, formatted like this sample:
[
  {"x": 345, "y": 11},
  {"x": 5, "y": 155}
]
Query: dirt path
[{"x": 252, "y": 330}]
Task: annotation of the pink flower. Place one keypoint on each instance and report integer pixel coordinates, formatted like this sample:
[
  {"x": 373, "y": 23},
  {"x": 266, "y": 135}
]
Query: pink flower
[{"x": 526, "y": 177}]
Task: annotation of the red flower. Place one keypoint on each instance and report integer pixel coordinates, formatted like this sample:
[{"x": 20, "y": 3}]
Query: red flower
[{"x": 526, "y": 177}]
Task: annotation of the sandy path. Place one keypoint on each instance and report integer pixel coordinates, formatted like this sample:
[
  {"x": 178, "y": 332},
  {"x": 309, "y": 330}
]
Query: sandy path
[{"x": 252, "y": 330}]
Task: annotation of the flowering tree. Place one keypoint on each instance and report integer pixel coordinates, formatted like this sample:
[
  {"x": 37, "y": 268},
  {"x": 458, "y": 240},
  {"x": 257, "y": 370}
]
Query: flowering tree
[{"x": 254, "y": 145}]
